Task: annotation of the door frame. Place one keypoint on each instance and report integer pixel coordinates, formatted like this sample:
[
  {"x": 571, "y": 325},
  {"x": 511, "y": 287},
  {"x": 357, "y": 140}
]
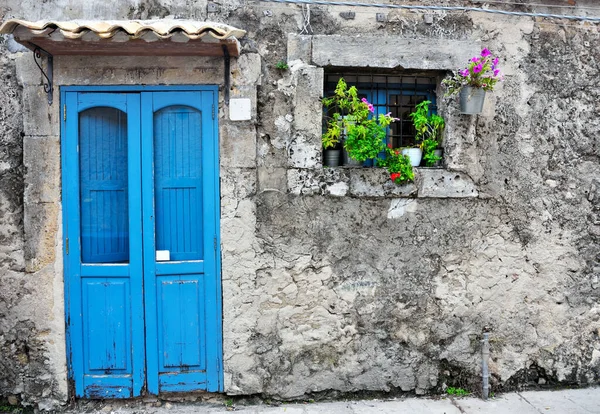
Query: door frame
[{"x": 217, "y": 288}]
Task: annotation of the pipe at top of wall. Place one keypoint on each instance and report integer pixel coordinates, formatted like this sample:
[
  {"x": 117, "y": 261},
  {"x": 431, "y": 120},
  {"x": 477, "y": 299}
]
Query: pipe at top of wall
[{"x": 227, "y": 73}]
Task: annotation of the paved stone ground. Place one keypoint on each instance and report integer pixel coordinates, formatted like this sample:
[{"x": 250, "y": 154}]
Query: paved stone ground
[{"x": 579, "y": 401}]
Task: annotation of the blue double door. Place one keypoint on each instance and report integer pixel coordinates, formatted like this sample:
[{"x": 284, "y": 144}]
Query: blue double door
[{"x": 141, "y": 211}]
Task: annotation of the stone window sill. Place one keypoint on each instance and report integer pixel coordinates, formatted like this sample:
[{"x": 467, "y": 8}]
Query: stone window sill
[{"x": 376, "y": 183}]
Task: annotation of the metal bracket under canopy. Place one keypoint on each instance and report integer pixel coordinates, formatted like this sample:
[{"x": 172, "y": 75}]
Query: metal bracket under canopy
[{"x": 48, "y": 75}]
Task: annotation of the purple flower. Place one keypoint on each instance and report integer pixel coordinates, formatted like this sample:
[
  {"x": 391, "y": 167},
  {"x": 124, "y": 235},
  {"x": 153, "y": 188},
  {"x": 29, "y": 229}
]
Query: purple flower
[
  {"x": 495, "y": 62},
  {"x": 478, "y": 68},
  {"x": 485, "y": 52},
  {"x": 496, "y": 72},
  {"x": 475, "y": 59},
  {"x": 371, "y": 108},
  {"x": 364, "y": 100},
  {"x": 464, "y": 73}
]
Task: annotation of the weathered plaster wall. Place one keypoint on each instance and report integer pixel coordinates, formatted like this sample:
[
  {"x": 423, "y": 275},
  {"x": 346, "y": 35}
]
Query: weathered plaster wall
[{"x": 337, "y": 280}]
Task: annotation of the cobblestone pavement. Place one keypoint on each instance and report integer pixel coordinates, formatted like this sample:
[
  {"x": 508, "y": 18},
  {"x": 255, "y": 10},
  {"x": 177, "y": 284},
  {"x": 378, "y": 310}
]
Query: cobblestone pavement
[{"x": 578, "y": 401}]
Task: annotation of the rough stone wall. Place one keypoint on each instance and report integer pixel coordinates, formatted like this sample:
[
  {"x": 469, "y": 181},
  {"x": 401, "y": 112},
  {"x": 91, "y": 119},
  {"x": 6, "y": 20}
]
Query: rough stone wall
[
  {"x": 335, "y": 280},
  {"x": 31, "y": 309}
]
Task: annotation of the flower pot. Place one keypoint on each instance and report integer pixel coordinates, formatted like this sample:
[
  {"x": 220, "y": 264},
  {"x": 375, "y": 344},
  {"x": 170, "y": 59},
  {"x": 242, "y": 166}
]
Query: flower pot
[
  {"x": 332, "y": 157},
  {"x": 415, "y": 155},
  {"x": 439, "y": 153},
  {"x": 471, "y": 100}
]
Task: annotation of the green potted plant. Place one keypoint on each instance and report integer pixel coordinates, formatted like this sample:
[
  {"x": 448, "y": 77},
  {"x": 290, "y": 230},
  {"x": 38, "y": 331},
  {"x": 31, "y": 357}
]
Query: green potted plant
[
  {"x": 332, "y": 151},
  {"x": 352, "y": 120},
  {"x": 429, "y": 131},
  {"x": 481, "y": 74}
]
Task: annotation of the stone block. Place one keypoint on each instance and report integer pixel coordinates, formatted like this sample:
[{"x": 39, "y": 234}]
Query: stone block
[
  {"x": 238, "y": 145},
  {"x": 305, "y": 151},
  {"x": 299, "y": 47},
  {"x": 365, "y": 182},
  {"x": 375, "y": 182},
  {"x": 28, "y": 74},
  {"x": 39, "y": 118},
  {"x": 392, "y": 52},
  {"x": 272, "y": 179},
  {"x": 41, "y": 226},
  {"x": 249, "y": 70},
  {"x": 41, "y": 157},
  {"x": 440, "y": 183},
  {"x": 307, "y": 102}
]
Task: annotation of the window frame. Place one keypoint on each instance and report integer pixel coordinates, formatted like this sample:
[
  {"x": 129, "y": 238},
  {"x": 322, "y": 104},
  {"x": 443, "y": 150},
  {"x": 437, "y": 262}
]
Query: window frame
[{"x": 379, "y": 93}]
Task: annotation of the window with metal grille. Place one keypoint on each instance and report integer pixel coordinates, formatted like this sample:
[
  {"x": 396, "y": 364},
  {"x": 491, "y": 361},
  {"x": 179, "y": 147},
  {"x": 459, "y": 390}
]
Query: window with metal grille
[{"x": 395, "y": 93}]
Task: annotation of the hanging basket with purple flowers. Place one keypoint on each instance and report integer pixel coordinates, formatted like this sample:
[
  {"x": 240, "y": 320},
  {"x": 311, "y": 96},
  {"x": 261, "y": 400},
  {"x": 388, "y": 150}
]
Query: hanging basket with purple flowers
[{"x": 481, "y": 74}]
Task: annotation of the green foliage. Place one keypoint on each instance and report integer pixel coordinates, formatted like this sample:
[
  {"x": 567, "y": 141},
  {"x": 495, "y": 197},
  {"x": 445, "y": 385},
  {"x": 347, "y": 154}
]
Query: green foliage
[
  {"x": 332, "y": 135},
  {"x": 229, "y": 403},
  {"x": 430, "y": 129},
  {"x": 459, "y": 392},
  {"x": 429, "y": 146},
  {"x": 427, "y": 126},
  {"x": 364, "y": 136},
  {"x": 282, "y": 65},
  {"x": 398, "y": 165},
  {"x": 364, "y": 140}
]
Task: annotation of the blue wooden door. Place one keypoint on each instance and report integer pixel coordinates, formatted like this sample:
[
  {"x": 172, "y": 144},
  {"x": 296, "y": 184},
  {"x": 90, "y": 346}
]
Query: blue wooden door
[
  {"x": 103, "y": 247},
  {"x": 140, "y": 176},
  {"x": 180, "y": 209}
]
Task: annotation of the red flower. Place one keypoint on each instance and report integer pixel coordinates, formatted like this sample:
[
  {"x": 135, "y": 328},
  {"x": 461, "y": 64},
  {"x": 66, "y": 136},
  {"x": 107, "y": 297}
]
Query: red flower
[
  {"x": 395, "y": 176},
  {"x": 389, "y": 145}
]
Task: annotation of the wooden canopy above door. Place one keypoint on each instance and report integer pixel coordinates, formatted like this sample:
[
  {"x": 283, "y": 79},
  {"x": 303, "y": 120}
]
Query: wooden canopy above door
[{"x": 126, "y": 37}]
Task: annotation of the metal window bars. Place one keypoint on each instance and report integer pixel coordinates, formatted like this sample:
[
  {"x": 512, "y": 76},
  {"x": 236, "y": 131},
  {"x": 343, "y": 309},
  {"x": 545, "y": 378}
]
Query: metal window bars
[{"x": 396, "y": 93}]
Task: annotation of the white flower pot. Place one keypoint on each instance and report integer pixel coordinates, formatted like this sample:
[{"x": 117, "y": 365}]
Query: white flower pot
[{"x": 415, "y": 155}]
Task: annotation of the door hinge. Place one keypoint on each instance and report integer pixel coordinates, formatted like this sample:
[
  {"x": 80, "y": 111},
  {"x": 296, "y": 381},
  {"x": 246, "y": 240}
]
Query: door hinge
[
  {"x": 213, "y": 111},
  {"x": 65, "y": 112},
  {"x": 67, "y": 245}
]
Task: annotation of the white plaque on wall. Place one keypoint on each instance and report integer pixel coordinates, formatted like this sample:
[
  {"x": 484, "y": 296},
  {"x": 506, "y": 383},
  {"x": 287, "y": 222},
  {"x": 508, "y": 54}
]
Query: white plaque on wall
[{"x": 240, "y": 109}]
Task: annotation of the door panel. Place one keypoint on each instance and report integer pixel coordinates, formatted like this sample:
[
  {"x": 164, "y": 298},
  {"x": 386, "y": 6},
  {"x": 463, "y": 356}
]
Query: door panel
[
  {"x": 103, "y": 225},
  {"x": 180, "y": 314},
  {"x": 141, "y": 175},
  {"x": 183, "y": 163},
  {"x": 106, "y": 324}
]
